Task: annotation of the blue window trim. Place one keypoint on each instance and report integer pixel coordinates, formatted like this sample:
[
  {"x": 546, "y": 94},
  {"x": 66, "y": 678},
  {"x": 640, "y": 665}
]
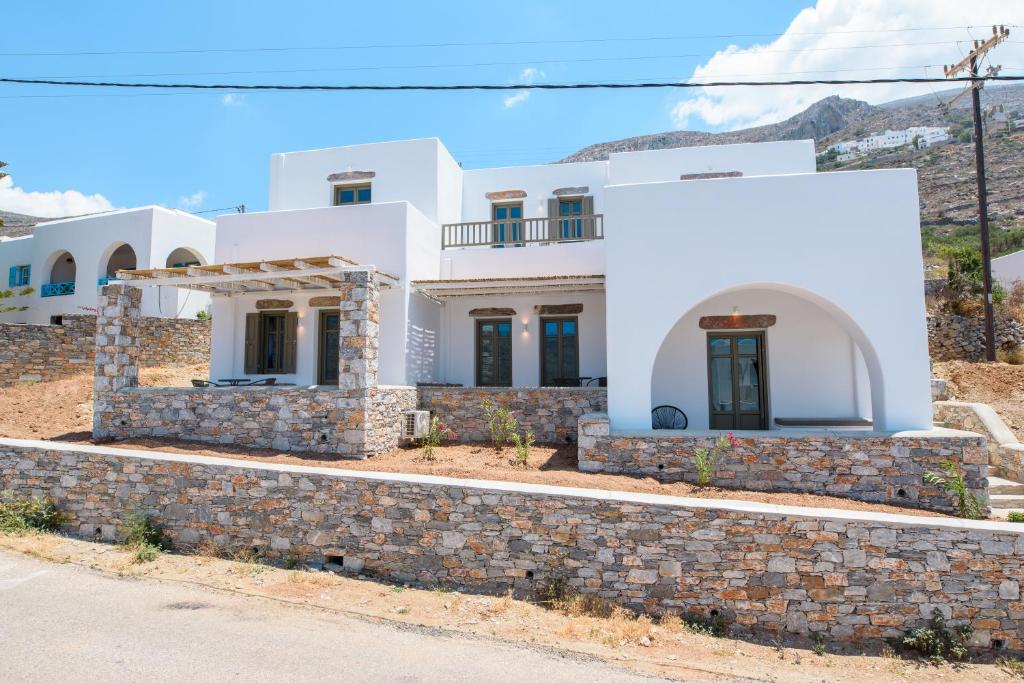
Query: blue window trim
[{"x": 19, "y": 276}]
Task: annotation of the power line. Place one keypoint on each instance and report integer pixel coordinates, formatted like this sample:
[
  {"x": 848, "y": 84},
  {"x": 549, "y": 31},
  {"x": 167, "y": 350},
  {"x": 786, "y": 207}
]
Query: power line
[
  {"x": 492, "y": 86},
  {"x": 390, "y": 46}
]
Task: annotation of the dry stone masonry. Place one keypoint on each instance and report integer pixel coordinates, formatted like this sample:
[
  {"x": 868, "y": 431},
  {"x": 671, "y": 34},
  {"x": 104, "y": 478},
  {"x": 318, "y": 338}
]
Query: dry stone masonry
[
  {"x": 355, "y": 419},
  {"x": 956, "y": 337},
  {"x": 44, "y": 353},
  {"x": 1005, "y": 452},
  {"x": 769, "y": 570},
  {"x": 874, "y": 467},
  {"x": 550, "y": 412}
]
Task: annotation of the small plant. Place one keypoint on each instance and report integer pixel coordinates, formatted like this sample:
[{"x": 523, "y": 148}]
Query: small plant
[
  {"x": 937, "y": 643},
  {"x": 706, "y": 459},
  {"x": 501, "y": 422},
  {"x": 291, "y": 559},
  {"x": 523, "y": 445},
  {"x": 34, "y": 514},
  {"x": 706, "y": 625},
  {"x": 1014, "y": 356},
  {"x": 1015, "y": 516},
  {"x": 144, "y": 538},
  {"x": 437, "y": 432},
  {"x": 1014, "y": 667},
  {"x": 203, "y": 315},
  {"x": 952, "y": 482},
  {"x": 818, "y": 645}
]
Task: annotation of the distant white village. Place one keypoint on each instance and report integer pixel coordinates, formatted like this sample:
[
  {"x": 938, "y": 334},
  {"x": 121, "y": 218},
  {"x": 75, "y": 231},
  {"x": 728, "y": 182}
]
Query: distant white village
[{"x": 919, "y": 137}]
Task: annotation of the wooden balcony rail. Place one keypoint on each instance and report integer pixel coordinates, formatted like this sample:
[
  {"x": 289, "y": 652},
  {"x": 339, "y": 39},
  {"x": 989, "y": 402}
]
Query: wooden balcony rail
[{"x": 521, "y": 231}]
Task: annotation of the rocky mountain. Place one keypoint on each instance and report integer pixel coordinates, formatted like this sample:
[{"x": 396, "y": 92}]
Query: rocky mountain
[
  {"x": 946, "y": 172},
  {"x": 17, "y": 224},
  {"x": 817, "y": 121}
]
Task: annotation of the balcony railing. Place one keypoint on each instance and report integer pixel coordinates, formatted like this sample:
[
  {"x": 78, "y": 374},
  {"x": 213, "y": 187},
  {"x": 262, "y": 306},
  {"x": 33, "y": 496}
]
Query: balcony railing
[
  {"x": 57, "y": 289},
  {"x": 105, "y": 280},
  {"x": 523, "y": 231}
]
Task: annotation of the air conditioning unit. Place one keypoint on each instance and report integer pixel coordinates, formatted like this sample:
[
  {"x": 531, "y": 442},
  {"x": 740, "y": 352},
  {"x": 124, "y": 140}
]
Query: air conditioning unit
[{"x": 415, "y": 424}]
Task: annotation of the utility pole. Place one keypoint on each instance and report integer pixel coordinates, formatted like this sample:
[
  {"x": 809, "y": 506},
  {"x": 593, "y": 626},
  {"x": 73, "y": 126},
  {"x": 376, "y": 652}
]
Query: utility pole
[{"x": 970, "y": 64}]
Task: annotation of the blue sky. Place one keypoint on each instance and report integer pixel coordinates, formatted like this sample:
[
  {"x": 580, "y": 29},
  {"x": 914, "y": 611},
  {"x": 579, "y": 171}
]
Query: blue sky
[{"x": 208, "y": 150}]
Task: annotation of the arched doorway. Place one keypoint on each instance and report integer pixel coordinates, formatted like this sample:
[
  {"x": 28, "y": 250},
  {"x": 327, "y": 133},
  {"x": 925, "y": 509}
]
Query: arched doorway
[
  {"x": 121, "y": 258},
  {"x": 763, "y": 356},
  {"x": 182, "y": 257},
  {"x": 63, "y": 271}
]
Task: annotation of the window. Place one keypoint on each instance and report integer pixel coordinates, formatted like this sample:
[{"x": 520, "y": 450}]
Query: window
[
  {"x": 508, "y": 222},
  {"x": 351, "y": 194},
  {"x": 559, "y": 352},
  {"x": 570, "y": 214},
  {"x": 270, "y": 340},
  {"x": 494, "y": 353},
  {"x": 19, "y": 276}
]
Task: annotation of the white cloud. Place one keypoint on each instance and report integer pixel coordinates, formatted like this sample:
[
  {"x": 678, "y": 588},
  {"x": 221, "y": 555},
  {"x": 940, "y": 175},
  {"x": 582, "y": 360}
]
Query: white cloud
[
  {"x": 827, "y": 37},
  {"x": 192, "y": 201},
  {"x": 527, "y": 76},
  {"x": 53, "y": 204},
  {"x": 232, "y": 99}
]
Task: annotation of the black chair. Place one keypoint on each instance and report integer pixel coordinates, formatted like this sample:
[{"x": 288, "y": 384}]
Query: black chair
[
  {"x": 668, "y": 417},
  {"x": 597, "y": 382},
  {"x": 202, "y": 383}
]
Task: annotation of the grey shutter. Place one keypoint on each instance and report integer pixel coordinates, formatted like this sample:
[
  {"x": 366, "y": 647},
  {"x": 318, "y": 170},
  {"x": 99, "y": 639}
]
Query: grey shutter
[
  {"x": 588, "y": 210},
  {"x": 553, "y": 231},
  {"x": 291, "y": 334},
  {"x": 252, "y": 343}
]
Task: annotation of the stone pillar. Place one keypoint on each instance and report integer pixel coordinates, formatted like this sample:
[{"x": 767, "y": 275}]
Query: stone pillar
[
  {"x": 118, "y": 321},
  {"x": 359, "y": 331}
]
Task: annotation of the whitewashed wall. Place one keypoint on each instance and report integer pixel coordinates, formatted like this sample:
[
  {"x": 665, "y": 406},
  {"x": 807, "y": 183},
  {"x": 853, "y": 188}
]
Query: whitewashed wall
[
  {"x": 537, "y": 181},
  {"x": 814, "y": 368},
  {"x": 1009, "y": 269},
  {"x": 16, "y": 252},
  {"x": 459, "y": 331},
  {"x": 849, "y": 242},
  {"x": 763, "y": 158}
]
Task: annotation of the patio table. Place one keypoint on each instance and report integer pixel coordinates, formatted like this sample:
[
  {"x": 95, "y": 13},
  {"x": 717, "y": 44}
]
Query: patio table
[{"x": 235, "y": 381}]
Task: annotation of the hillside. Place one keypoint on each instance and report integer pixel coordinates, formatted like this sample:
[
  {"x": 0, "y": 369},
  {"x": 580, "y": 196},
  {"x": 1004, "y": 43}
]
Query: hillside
[
  {"x": 946, "y": 173},
  {"x": 17, "y": 224}
]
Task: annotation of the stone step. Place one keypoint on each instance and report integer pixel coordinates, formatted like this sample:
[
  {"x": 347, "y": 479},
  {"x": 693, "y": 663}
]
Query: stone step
[
  {"x": 1004, "y": 502},
  {"x": 1004, "y": 487}
]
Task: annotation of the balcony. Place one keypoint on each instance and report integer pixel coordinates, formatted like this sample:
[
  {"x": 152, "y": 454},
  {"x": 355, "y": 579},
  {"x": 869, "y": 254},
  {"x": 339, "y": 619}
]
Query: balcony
[
  {"x": 107, "y": 279},
  {"x": 520, "y": 232},
  {"x": 57, "y": 289}
]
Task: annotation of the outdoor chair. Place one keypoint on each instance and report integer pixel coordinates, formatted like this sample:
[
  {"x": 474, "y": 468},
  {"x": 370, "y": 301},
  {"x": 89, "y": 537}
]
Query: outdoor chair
[
  {"x": 201, "y": 383},
  {"x": 668, "y": 417}
]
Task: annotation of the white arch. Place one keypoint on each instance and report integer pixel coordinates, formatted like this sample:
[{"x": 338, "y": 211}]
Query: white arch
[
  {"x": 61, "y": 266},
  {"x": 117, "y": 256},
  {"x": 873, "y": 366},
  {"x": 184, "y": 254}
]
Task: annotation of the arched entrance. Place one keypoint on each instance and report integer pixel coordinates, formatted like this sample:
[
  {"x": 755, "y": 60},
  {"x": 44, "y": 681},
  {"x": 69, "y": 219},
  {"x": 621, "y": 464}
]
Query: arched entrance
[
  {"x": 121, "y": 258},
  {"x": 182, "y": 257},
  {"x": 761, "y": 356},
  {"x": 63, "y": 271}
]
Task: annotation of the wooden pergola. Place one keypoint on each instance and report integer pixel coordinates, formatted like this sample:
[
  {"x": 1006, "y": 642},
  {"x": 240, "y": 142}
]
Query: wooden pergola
[
  {"x": 279, "y": 275},
  {"x": 541, "y": 284}
]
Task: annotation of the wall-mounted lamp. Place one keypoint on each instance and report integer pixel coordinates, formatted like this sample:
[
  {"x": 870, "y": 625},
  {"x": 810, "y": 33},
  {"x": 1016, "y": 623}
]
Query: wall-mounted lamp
[
  {"x": 735, "y": 310},
  {"x": 526, "y": 324}
]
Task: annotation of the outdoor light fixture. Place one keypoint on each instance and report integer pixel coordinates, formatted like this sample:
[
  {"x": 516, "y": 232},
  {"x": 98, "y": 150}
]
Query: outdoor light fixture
[
  {"x": 735, "y": 310},
  {"x": 526, "y": 325}
]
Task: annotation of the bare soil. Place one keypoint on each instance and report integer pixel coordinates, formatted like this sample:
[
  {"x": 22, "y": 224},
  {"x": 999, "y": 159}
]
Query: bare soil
[
  {"x": 666, "y": 648},
  {"x": 1000, "y": 385},
  {"x": 63, "y": 409}
]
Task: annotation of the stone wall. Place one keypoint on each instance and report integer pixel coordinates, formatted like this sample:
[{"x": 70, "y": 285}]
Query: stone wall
[
  {"x": 550, "y": 412},
  {"x": 1005, "y": 452},
  {"x": 44, "y": 353},
  {"x": 769, "y": 570},
  {"x": 867, "y": 466},
  {"x": 955, "y": 337}
]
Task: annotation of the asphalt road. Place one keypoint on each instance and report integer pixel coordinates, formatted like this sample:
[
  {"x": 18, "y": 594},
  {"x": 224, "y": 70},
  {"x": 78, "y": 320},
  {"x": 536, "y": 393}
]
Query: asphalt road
[{"x": 63, "y": 622}]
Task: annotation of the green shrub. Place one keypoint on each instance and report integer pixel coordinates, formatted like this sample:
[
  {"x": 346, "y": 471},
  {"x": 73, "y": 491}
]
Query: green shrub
[
  {"x": 33, "y": 514},
  {"x": 937, "y": 643},
  {"x": 1015, "y": 516},
  {"x": 144, "y": 538},
  {"x": 436, "y": 433},
  {"x": 501, "y": 422},
  {"x": 706, "y": 459},
  {"x": 967, "y": 504},
  {"x": 523, "y": 446}
]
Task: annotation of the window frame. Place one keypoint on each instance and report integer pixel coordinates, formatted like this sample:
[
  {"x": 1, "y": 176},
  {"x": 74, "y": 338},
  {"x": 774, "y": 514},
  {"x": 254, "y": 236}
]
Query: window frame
[
  {"x": 521, "y": 221},
  {"x": 263, "y": 368},
  {"x": 478, "y": 358},
  {"x": 543, "y": 360},
  {"x": 355, "y": 187},
  {"x": 22, "y": 275}
]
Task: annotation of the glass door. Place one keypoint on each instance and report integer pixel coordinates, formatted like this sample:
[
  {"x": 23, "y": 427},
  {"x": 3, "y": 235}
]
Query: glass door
[
  {"x": 328, "y": 362},
  {"x": 736, "y": 381},
  {"x": 508, "y": 222}
]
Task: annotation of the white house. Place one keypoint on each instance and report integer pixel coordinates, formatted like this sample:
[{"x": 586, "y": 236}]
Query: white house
[
  {"x": 731, "y": 282},
  {"x": 1009, "y": 269},
  {"x": 64, "y": 261}
]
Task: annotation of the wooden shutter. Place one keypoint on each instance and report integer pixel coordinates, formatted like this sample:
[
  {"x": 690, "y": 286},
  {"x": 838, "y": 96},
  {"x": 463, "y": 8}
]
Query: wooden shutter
[
  {"x": 291, "y": 334},
  {"x": 252, "y": 343},
  {"x": 12, "y": 276},
  {"x": 588, "y": 210},
  {"x": 553, "y": 231}
]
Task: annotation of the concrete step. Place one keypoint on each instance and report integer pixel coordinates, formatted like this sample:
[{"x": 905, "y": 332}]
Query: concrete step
[
  {"x": 1006, "y": 502},
  {"x": 997, "y": 486}
]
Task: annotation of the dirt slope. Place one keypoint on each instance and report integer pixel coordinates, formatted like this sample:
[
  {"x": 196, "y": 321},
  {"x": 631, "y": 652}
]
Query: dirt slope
[{"x": 997, "y": 384}]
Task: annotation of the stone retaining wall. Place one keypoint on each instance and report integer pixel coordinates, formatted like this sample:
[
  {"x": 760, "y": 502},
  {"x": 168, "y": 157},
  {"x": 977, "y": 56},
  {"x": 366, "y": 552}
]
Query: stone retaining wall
[
  {"x": 550, "y": 412},
  {"x": 771, "y": 570},
  {"x": 44, "y": 353},
  {"x": 955, "y": 337},
  {"x": 319, "y": 420},
  {"x": 867, "y": 466},
  {"x": 1005, "y": 452}
]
